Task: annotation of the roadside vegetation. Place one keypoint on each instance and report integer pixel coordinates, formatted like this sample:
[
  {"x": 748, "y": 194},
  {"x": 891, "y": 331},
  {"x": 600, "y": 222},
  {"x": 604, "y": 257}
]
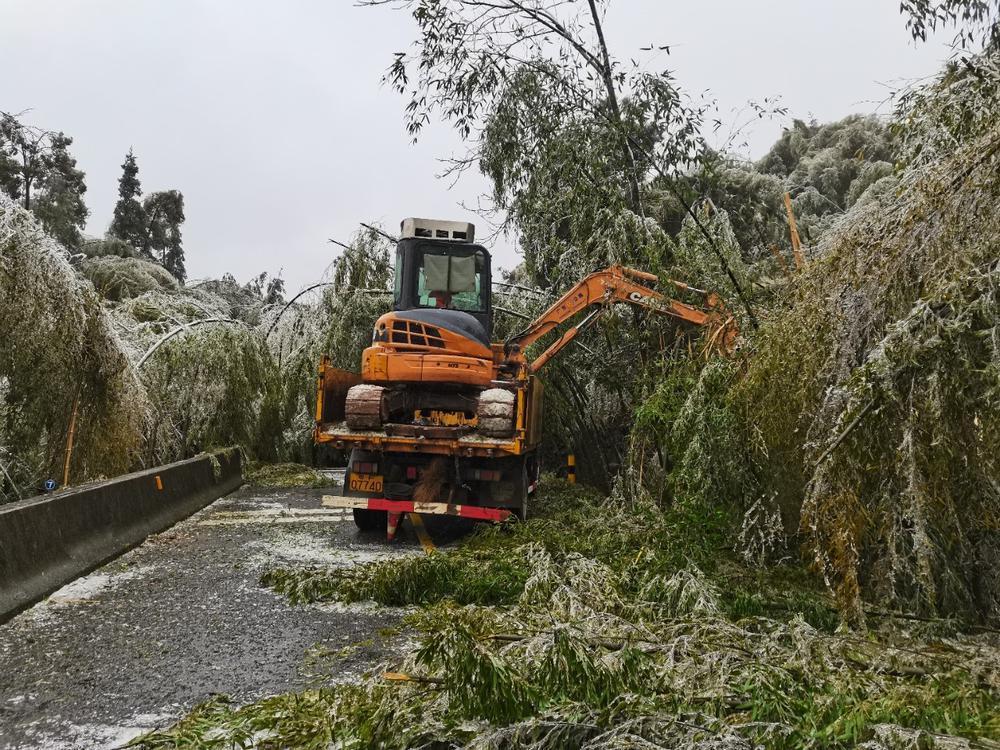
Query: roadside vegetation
[
  {"x": 263, "y": 474},
  {"x": 110, "y": 364}
]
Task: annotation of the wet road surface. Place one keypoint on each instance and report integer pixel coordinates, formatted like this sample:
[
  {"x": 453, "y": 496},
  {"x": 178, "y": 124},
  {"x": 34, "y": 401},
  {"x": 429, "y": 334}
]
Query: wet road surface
[{"x": 140, "y": 641}]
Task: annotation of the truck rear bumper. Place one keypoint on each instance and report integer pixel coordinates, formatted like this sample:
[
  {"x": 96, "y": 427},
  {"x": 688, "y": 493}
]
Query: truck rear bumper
[{"x": 408, "y": 506}]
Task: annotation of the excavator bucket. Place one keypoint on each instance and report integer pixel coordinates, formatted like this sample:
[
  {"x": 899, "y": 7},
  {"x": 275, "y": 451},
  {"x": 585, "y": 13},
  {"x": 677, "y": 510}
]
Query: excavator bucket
[{"x": 331, "y": 392}]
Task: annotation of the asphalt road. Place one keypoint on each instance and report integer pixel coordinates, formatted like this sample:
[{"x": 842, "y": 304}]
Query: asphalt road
[{"x": 140, "y": 641}]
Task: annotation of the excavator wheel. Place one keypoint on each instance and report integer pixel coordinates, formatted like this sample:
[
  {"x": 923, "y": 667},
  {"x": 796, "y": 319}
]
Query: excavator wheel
[
  {"x": 363, "y": 408},
  {"x": 495, "y": 410}
]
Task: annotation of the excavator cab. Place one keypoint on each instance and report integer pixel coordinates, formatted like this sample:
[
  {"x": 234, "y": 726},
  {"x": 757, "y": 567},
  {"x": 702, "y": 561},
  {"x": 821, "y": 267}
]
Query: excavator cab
[{"x": 443, "y": 278}]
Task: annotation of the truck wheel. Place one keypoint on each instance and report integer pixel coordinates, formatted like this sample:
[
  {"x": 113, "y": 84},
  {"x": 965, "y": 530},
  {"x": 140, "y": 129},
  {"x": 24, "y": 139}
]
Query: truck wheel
[{"x": 370, "y": 520}]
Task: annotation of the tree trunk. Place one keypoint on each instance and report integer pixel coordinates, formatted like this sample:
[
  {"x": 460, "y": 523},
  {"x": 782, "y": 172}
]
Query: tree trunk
[
  {"x": 28, "y": 179},
  {"x": 635, "y": 198}
]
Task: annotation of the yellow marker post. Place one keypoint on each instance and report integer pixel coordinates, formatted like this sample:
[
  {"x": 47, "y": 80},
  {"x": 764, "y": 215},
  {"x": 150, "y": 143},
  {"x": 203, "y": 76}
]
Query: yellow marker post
[
  {"x": 159, "y": 482},
  {"x": 403, "y": 677},
  {"x": 422, "y": 535},
  {"x": 571, "y": 468},
  {"x": 396, "y": 677}
]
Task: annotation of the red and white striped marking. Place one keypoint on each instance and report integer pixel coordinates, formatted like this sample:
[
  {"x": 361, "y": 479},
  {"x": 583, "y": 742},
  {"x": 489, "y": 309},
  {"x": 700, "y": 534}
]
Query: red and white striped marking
[{"x": 408, "y": 506}]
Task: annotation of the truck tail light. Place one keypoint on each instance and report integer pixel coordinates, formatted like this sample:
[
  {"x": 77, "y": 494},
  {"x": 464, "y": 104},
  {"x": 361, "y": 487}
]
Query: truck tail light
[{"x": 486, "y": 475}]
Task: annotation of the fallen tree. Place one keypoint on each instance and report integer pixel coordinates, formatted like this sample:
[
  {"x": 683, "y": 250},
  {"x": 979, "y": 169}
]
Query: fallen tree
[
  {"x": 109, "y": 365},
  {"x": 874, "y": 389},
  {"x": 61, "y": 363},
  {"x": 605, "y": 624}
]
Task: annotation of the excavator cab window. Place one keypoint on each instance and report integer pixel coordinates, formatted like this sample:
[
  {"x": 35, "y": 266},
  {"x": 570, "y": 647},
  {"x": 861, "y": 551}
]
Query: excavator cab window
[
  {"x": 444, "y": 275},
  {"x": 452, "y": 282},
  {"x": 398, "y": 281}
]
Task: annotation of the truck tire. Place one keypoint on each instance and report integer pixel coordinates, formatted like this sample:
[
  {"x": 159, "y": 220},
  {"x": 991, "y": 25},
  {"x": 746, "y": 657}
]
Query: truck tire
[{"x": 370, "y": 520}]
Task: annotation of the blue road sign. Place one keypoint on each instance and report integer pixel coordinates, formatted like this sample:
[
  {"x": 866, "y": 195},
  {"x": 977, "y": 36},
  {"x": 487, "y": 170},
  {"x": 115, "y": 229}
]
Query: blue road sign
[{"x": 50, "y": 484}]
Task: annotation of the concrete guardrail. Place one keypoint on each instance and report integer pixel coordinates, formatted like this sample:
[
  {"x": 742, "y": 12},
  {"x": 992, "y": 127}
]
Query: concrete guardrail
[{"x": 48, "y": 541}]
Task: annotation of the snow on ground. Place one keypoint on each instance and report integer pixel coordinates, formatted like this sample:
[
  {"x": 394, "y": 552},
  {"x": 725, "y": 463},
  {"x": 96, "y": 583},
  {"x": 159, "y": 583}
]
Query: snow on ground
[{"x": 142, "y": 640}]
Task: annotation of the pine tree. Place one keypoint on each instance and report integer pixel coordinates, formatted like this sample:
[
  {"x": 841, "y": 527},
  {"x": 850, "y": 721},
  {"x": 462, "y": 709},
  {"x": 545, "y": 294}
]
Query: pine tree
[
  {"x": 129, "y": 222},
  {"x": 59, "y": 205},
  {"x": 173, "y": 259},
  {"x": 164, "y": 213}
]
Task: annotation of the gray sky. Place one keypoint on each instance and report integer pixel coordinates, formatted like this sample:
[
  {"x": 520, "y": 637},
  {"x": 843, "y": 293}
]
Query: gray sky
[{"x": 272, "y": 120}]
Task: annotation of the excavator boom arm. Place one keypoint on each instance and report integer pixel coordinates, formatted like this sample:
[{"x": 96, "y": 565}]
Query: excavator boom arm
[{"x": 618, "y": 285}]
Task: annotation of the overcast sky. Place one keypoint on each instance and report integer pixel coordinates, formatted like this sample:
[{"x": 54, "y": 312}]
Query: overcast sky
[{"x": 272, "y": 120}]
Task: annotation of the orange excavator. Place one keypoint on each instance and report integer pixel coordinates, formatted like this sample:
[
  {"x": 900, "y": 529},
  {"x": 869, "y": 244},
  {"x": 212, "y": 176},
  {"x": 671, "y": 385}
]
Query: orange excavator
[{"x": 442, "y": 420}]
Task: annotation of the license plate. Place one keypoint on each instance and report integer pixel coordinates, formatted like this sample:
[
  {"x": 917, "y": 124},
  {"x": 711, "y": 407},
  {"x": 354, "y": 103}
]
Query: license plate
[{"x": 370, "y": 483}]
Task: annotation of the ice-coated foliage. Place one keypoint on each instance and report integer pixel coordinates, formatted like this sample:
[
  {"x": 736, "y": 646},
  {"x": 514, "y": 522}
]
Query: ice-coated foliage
[
  {"x": 932, "y": 121},
  {"x": 861, "y": 421},
  {"x": 603, "y": 642},
  {"x": 117, "y": 278},
  {"x": 108, "y": 246},
  {"x": 824, "y": 168},
  {"x": 251, "y": 380},
  {"x": 208, "y": 389},
  {"x": 708, "y": 439},
  {"x": 696, "y": 255},
  {"x": 160, "y": 371},
  {"x": 60, "y": 354},
  {"x": 875, "y": 392},
  {"x": 975, "y": 21}
]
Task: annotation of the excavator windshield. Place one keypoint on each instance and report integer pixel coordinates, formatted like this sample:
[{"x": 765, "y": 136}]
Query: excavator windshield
[
  {"x": 450, "y": 281},
  {"x": 432, "y": 274}
]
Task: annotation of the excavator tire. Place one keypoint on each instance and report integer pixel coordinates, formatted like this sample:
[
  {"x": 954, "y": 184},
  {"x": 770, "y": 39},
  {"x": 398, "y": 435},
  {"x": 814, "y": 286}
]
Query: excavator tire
[
  {"x": 363, "y": 408},
  {"x": 496, "y": 412}
]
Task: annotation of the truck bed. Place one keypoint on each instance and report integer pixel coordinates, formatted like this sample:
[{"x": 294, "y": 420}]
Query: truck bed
[{"x": 470, "y": 444}]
